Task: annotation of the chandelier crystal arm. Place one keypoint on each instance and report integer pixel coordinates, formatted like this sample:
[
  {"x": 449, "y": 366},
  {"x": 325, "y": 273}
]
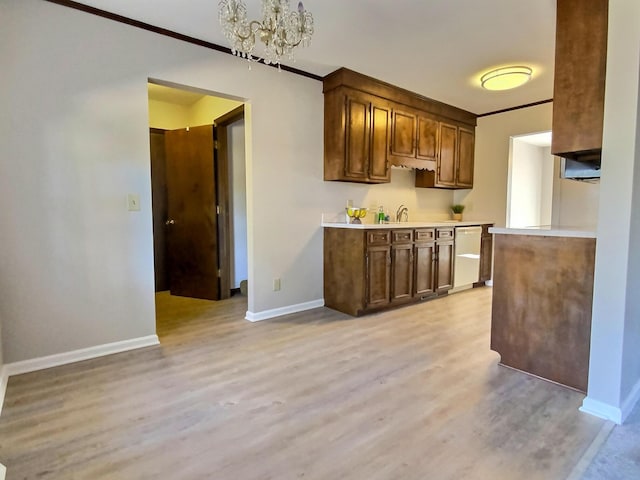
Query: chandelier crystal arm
[{"x": 280, "y": 29}]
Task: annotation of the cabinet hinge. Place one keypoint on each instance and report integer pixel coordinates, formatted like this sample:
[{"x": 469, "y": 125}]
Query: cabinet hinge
[
  {"x": 219, "y": 273},
  {"x": 217, "y": 209},
  {"x": 215, "y": 144}
]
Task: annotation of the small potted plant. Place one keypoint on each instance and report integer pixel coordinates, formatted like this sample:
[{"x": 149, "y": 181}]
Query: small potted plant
[{"x": 456, "y": 211}]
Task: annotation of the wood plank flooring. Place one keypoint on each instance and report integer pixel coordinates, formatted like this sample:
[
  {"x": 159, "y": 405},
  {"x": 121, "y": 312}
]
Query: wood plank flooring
[{"x": 413, "y": 393}]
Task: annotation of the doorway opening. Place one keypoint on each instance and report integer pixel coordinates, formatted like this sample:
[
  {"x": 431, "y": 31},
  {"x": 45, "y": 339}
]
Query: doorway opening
[
  {"x": 536, "y": 193},
  {"x": 198, "y": 180}
]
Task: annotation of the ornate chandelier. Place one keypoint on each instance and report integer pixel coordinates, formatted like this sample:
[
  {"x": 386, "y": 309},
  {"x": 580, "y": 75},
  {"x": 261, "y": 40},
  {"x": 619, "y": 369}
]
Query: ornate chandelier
[{"x": 280, "y": 30}]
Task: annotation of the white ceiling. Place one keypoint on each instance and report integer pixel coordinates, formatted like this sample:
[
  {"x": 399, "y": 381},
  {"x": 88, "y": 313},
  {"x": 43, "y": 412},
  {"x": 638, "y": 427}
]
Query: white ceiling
[{"x": 437, "y": 48}]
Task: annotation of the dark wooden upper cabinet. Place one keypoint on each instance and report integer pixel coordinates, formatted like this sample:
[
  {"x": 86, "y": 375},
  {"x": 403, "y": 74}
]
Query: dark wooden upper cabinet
[
  {"x": 380, "y": 128},
  {"x": 370, "y": 125},
  {"x": 448, "y": 152},
  {"x": 403, "y": 134},
  {"x": 466, "y": 144},
  {"x": 357, "y": 129},
  {"x": 428, "y": 138},
  {"x": 579, "y": 80},
  {"x": 357, "y": 137},
  {"x": 454, "y": 159}
]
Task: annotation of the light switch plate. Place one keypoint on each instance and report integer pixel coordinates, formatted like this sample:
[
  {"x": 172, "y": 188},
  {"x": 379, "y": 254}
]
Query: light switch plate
[{"x": 133, "y": 202}]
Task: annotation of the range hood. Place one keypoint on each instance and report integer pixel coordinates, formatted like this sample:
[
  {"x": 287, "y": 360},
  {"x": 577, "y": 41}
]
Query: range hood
[{"x": 586, "y": 171}]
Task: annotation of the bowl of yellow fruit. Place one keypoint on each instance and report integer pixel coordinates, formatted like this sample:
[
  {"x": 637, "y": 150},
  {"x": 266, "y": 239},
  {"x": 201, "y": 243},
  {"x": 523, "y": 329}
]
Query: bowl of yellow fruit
[{"x": 356, "y": 213}]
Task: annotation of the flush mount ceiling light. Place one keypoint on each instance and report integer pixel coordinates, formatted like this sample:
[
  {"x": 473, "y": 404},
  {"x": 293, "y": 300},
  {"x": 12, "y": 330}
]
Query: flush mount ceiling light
[
  {"x": 505, "y": 78},
  {"x": 280, "y": 29}
]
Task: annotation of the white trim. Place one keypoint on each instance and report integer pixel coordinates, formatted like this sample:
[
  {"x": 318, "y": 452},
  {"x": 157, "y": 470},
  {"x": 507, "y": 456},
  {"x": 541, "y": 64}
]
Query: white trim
[
  {"x": 278, "y": 312},
  {"x": 609, "y": 412},
  {"x": 26, "y": 366},
  {"x": 601, "y": 410},
  {"x": 3, "y": 471},
  {"x": 489, "y": 283},
  {"x": 4, "y": 379}
]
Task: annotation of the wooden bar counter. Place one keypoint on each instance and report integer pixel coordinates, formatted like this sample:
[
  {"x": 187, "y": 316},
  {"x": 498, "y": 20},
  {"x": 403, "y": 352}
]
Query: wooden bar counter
[{"x": 542, "y": 295}]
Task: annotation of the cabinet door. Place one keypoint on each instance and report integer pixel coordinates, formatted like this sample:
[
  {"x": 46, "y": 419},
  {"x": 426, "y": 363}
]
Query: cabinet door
[
  {"x": 424, "y": 268},
  {"x": 465, "y": 158},
  {"x": 380, "y": 132},
  {"x": 486, "y": 254},
  {"x": 446, "y": 174},
  {"x": 378, "y": 276},
  {"x": 444, "y": 273},
  {"x": 428, "y": 136},
  {"x": 403, "y": 134},
  {"x": 402, "y": 271},
  {"x": 357, "y": 136}
]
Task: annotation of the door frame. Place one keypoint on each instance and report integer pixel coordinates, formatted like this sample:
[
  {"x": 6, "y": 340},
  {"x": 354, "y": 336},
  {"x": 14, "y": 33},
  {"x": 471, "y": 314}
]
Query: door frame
[{"x": 221, "y": 125}]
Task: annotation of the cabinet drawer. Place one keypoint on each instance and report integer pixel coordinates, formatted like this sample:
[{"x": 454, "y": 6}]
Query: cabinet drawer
[
  {"x": 444, "y": 234},
  {"x": 402, "y": 236},
  {"x": 379, "y": 237},
  {"x": 425, "y": 235}
]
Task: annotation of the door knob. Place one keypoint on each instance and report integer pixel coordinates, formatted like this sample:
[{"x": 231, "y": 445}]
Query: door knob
[{"x": 170, "y": 222}]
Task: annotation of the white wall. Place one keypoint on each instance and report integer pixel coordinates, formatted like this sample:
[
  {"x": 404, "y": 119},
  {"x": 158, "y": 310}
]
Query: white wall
[
  {"x": 238, "y": 182},
  {"x": 527, "y": 183},
  {"x": 575, "y": 203},
  {"x": 614, "y": 373},
  {"x": 77, "y": 267},
  {"x": 547, "y": 182},
  {"x": 488, "y": 199}
]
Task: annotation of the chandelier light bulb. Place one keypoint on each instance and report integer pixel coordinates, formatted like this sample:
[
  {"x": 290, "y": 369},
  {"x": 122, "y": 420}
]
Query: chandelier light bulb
[{"x": 280, "y": 30}]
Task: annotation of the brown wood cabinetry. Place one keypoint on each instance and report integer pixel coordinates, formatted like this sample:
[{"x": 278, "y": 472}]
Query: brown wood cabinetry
[
  {"x": 373, "y": 269},
  {"x": 414, "y": 139},
  {"x": 579, "y": 78},
  {"x": 357, "y": 129},
  {"x": 454, "y": 160},
  {"x": 370, "y": 125},
  {"x": 486, "y": 254},
  {"x": 444, "y": 259},
  {"x": 541, "y": 308},
  {"x": 402, "y": 265}
]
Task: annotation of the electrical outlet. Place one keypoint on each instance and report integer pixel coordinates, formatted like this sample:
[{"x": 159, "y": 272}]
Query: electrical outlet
[{"x": 276, "y": 284}]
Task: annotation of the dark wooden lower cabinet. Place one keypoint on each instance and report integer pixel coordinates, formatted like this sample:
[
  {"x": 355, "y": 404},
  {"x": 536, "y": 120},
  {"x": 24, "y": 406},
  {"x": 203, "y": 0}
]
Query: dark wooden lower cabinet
[
  {"x": 486, "y": 254},
  {"x": 378, "y": 274},
  {"x": 444, "y": 262},
  {"x": 424, "y": 269},
  {"x": 373, "y": 269}
]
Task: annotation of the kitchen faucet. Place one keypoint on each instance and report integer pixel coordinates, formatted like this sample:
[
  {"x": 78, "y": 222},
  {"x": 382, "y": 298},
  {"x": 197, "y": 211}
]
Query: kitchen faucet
[{"x": 402, "y": 212}]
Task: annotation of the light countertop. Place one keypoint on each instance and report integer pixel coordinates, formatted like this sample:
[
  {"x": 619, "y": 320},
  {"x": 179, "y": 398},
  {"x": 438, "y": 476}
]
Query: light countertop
[
  {"x": 424, "y": 224},
  {"x": 548, "y": 231}
]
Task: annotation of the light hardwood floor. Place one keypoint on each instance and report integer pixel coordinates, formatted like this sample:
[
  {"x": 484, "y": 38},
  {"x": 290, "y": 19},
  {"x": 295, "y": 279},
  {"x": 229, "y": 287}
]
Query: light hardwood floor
[{"x": 413, "y": 393}]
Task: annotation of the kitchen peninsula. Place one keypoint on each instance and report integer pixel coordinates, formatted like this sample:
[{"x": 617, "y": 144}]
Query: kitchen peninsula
[{"x": 542, "y": 295}]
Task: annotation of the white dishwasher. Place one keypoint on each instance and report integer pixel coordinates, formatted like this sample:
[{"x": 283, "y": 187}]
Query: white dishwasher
[{"x": 467, "y": 257}]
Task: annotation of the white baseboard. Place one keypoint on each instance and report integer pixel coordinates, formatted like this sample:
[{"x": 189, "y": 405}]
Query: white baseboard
[
  {"x": 489, "y": 283},
  {"x": 278, "y": 312},
  {"x": 26, "y": 366},
  {"x": 4, "y": 379},
  {"x": 610, "y": 412},
  {"x": 601, "y": 410},
  {"x": 3, "y": 471}
]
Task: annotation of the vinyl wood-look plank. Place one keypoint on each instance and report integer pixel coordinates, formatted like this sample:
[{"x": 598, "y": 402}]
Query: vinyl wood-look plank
[{"x": 412, "y": 393}]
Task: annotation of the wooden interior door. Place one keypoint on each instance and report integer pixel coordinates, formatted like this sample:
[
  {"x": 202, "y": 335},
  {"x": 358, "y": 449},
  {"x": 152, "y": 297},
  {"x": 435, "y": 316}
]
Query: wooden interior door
[
  {"x": 192, "y": 222},
  {"x": 159, "y": 199}
]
